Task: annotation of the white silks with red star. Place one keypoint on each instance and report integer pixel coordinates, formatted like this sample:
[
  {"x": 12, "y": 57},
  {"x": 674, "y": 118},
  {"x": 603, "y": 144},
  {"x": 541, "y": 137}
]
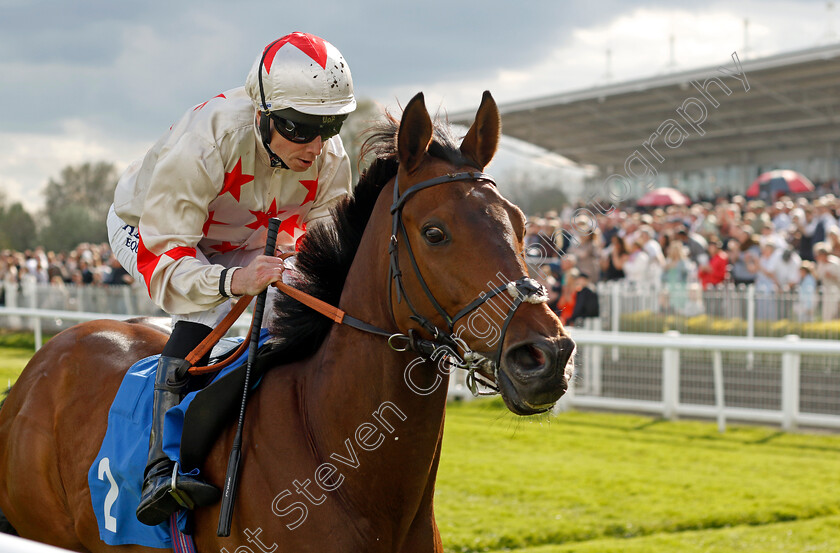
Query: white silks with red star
[{"x": 204, "y": 194}]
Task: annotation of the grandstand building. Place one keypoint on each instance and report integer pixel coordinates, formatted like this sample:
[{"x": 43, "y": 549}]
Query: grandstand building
[{"x": 706, "y": 131}]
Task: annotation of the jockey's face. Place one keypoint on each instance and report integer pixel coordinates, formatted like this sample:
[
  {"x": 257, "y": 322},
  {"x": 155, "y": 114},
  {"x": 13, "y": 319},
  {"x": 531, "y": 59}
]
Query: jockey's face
[{"x": 299, "y": 157}]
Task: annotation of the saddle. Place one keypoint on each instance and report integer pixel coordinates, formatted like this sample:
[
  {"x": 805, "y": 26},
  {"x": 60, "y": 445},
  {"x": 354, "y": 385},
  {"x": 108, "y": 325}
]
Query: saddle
[
  {"x": 217, "y": 404},
  {"x": 190, "y": 430}
]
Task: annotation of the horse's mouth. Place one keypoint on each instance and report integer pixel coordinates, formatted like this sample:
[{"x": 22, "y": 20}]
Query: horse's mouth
[
  {"x": 534, "y": 375},
  {"x": 514, "y": 402}
]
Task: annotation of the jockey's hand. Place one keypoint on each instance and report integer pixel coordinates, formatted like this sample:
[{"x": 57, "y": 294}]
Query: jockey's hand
[{"x": 256, "y": 277}]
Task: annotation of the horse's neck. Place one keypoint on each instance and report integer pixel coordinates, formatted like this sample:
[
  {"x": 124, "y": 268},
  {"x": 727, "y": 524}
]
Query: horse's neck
[{"x": 356, "y": 403}]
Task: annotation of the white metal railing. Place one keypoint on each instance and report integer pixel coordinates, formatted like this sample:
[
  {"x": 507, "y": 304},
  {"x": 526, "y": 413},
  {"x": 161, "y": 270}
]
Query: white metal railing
[
  {"x": 624, "y": 307},
  {"x": 120, "y": 301},
  {"x": 644, "y": 307},
  {"x": 786, "y": 380}
]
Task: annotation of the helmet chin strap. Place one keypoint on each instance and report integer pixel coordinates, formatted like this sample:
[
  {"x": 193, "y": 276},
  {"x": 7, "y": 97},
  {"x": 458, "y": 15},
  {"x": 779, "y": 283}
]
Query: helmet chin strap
[
  {"x": 265, "y": 133},
  {"x": 265, "y": 120}
]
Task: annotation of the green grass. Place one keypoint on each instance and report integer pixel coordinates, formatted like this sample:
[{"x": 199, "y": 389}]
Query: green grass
[
  {"x": 16, "y": 348},
  {"x": 604, "y": 482},
  {"x": 816, "y": 535}
]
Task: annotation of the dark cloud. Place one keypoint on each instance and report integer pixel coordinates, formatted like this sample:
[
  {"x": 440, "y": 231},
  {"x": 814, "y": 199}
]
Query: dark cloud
[{"x": 135, "y": 67}]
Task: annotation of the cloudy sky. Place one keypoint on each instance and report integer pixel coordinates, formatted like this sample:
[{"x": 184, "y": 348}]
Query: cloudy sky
[{"x": 100, "y": 80}]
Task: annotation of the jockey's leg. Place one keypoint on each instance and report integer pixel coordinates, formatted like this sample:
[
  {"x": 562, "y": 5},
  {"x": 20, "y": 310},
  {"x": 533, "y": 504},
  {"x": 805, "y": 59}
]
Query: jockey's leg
[{"x": 158, "y": 500}]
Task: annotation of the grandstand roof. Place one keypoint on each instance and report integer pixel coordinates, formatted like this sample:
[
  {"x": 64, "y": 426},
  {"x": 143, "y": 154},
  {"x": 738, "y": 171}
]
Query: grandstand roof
[{"x": 792, "y": 110}]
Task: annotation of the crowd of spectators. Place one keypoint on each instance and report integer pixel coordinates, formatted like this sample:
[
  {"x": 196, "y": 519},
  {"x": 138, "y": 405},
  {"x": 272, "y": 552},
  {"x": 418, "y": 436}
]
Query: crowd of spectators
[
  {"x": 791, "y": 245},
  {"x": 88, "y": 264}
]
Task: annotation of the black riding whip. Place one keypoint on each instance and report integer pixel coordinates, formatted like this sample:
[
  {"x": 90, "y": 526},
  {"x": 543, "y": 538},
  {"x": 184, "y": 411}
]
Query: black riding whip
[{"x": 232, "y": 476}]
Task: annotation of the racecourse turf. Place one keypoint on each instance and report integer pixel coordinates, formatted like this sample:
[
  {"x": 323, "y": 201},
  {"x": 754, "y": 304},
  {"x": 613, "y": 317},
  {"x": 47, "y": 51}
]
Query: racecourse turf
[
  {"x": 608, "y": 483},
  {"x": 593, "y": 482},
  {"x": 16, "y": 348}
]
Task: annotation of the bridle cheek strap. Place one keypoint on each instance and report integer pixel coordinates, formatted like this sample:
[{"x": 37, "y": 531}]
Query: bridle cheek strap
[{"x": 523, "y": 290}]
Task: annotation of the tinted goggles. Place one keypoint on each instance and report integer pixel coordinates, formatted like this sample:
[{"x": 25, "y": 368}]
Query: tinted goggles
[{"x": 302, "y": 133}]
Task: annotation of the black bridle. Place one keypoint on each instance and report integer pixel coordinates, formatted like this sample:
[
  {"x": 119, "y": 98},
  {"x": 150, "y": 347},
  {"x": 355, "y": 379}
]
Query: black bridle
[
  {"x": 444, "y": 343},
  {"x": 523, "y": 290}
]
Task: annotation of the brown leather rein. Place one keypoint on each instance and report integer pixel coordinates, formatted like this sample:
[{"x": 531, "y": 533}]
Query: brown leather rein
[{"x": 331, "y": 312}]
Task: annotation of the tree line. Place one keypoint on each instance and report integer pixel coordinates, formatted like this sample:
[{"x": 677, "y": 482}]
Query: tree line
[{"x": 75, "y": 207}]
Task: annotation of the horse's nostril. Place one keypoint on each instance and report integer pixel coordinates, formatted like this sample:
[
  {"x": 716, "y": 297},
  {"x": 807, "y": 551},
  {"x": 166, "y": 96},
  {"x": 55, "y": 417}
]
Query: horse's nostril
[{"x": 528, "y": 357}]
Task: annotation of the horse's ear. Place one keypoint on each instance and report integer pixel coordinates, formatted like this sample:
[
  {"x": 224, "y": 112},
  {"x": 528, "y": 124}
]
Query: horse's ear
[
  {"x": 415, "y": 133},
  {"x": 482, "y": 139}
]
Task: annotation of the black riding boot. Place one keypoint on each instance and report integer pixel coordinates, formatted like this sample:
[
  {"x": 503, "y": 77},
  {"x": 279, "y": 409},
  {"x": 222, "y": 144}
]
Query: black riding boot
[{"x": 164, "y": 490}]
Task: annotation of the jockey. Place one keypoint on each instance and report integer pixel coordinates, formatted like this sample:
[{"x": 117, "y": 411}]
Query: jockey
[{"x": 190, "y": 219}]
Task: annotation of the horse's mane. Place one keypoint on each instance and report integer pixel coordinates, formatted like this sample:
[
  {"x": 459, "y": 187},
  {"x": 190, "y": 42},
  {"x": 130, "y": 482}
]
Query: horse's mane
[{"x": 328, "y": 248}]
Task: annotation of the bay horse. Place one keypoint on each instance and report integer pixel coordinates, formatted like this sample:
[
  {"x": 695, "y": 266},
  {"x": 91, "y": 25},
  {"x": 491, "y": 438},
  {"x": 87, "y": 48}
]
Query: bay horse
[{"x": 342, "y": 439}]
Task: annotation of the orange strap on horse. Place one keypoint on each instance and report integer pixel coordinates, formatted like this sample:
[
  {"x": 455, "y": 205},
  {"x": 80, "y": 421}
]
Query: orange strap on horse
[
  {"x": 216, "y": 335},
  {"x": 334, "y": 313},
  {"x": 225, "y": 324},
  {"x": 322, "y": 307}
]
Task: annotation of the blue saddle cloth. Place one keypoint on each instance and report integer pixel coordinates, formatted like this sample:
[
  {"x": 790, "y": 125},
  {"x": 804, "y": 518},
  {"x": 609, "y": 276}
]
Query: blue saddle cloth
[{"x": 116, "y": 475}]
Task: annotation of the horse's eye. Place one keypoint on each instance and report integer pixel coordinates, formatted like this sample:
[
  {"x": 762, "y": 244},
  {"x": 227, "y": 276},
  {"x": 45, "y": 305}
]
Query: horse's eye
[{"x": 434, "y": 235}]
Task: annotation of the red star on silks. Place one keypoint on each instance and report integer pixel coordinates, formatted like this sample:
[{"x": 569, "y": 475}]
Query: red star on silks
[
  {"x": 210, "y": 221},
  {"x": 289, "y": 225},
  {"x": 234, "y": 181},
  {"x": 311, "y": 189},
  {"x": 310, "y": 45},
  {"x": 264, "y": 216},
  {"x": 199, "y": 106},
  {"x": 225, "y": 247}
]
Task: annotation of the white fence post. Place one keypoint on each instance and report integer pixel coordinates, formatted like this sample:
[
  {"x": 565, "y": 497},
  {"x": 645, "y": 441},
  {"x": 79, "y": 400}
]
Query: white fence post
[
  {"x": 30, "y": 291},
  {"x": 670, "y": 378},
  {"x": 750, "y": 323},
  {"x": 127, "y": 298},
  {"x": 594, "y": 356},
  {"x": 615, "y": 311},
  {"x": 717, "y": 372},
  {"x": 790, "y": 386},
  {"x": 12, "y": 301}
]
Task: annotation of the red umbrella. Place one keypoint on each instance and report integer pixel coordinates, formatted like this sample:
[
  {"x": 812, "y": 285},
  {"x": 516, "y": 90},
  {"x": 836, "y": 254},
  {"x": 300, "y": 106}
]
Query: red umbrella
[
  {"x": 780, "y": 182},
  {"x": 663, "y": 196}
]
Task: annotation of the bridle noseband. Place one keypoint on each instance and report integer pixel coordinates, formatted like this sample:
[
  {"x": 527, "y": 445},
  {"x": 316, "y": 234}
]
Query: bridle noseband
[{"x": 524, "y": 290}]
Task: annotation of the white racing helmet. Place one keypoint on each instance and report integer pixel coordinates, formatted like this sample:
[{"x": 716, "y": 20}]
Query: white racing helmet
[{"x": 302, "y": 72}]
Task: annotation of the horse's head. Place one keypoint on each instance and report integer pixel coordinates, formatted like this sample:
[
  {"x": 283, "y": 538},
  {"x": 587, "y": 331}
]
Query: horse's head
[{"x": 458, "y": 272}]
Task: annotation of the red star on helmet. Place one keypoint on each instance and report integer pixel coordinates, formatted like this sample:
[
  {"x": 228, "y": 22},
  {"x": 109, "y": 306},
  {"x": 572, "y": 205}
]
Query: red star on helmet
[
  {"x": 262, "y": 217},
  {"x": 310, "y": 45},
  {"x": 234, "y": 181},
  {"x": 311, "y": 189},
  {"x": 210, "y": 221}
]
